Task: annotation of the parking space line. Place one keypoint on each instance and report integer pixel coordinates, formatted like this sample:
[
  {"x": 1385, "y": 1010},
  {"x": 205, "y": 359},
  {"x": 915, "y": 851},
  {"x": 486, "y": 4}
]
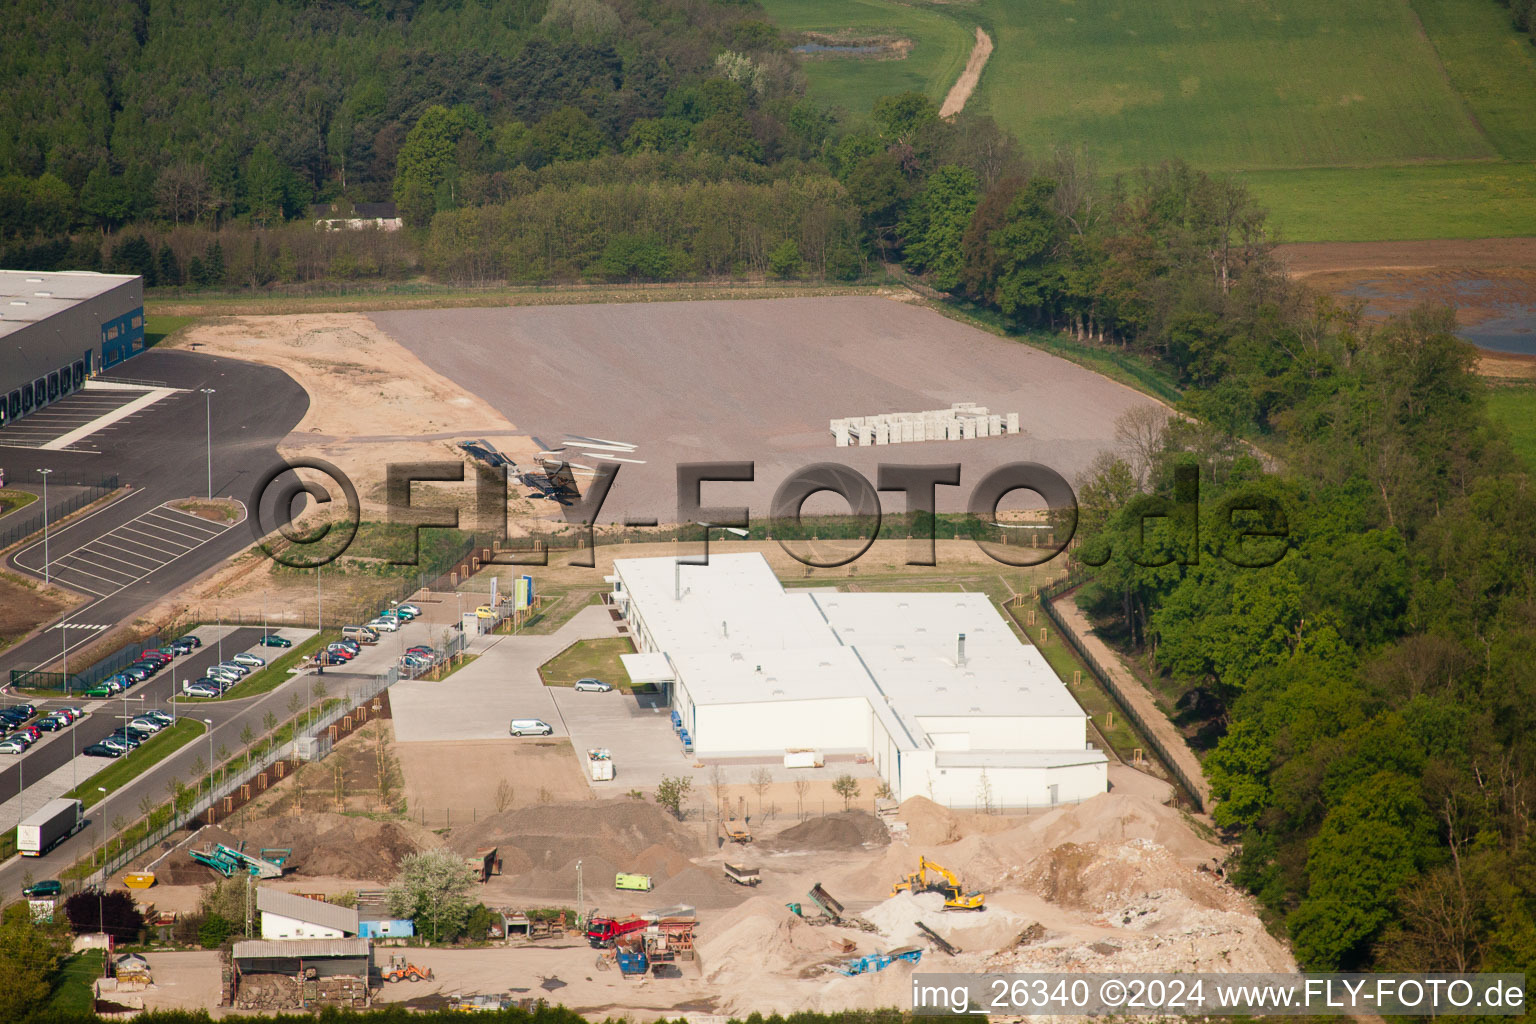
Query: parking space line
[
  {"x": 91, "y": 567},
  {"x": 168, "y": 533},
  {"x": 129, "y": 546},
  {"x": 92, "y": 558},
  {"x": 196, "y": 522},
  {"x": 91, "y": 550},
  {"x": 170, "y": 542}
]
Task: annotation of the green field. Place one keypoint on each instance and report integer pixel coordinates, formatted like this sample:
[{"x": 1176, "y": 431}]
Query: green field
[
  {"x": 940, "y": 45},
  {"x": 1390, "y": 204},
  {"x": 1263, "y": 83},
  {"x": 1515, "y": 407},
  {"x": 1493, "y": 67},
  {"x": 1352, "y": 120}
]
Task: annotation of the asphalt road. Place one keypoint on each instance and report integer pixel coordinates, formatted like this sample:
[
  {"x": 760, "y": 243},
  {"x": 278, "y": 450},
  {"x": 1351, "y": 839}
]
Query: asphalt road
[
  {"x": 155, "y": 692},
  {"x": 160, "y": 453},
  {"x": 229, "y": 719}
]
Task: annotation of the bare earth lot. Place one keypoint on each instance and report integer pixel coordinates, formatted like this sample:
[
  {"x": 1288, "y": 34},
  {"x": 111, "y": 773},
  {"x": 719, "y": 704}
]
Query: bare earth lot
[{"x": 703, "y": 381}]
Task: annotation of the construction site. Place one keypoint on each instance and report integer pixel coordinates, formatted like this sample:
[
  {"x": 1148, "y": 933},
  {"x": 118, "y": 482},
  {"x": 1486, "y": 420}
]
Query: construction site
[{"x": 613, "y": 906}]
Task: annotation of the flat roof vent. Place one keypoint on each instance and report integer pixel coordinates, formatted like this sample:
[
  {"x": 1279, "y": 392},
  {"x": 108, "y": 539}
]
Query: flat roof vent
[
  {"x": 34, "y": 280},
  {"x": 43, "y": 295},
  {"x": 778, "y": 693},
  {"x": 18, "y": 302},
  {"x": 975, "y": 710}
]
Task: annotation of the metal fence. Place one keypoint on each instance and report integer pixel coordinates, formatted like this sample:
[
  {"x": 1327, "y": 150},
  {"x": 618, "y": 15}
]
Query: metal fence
[
  {"x": 35, "y": 679},
  {"x": 440, "y": 654},
  {"x": 338, "y": 613},
  {"x": 33, "y": 523},
  {"x": 1046, "y": 595},
  {"x": 316, "y": 742}
]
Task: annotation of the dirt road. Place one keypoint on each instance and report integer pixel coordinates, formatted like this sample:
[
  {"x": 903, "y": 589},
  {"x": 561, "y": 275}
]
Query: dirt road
[{"x": 954, "y": 101}]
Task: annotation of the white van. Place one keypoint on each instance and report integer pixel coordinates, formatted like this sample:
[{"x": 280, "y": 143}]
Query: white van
[
  {"x": 530, "y": 727},
  {"x": 362, "y": 634}
]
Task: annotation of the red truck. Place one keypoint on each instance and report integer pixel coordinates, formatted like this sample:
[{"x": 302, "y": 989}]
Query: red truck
[{"x": 605, "y": 931}]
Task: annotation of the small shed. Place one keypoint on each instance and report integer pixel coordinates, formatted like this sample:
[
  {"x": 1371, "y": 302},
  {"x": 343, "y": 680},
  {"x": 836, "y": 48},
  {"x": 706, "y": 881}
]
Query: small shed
[{"x": 275, "y": 974}]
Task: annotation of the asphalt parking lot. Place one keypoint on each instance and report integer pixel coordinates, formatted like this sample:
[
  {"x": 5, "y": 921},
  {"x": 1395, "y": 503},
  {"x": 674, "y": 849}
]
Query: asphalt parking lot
[
  {"x": 479, "y": 701},
  {"x": 73, "y": 423},
  {"x": 127, "y": 553},
  {"x": 640, "y": 737}
]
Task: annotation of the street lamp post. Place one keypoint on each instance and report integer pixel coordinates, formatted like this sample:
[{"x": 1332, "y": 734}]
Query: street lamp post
[
  {"x": 208, "y": 396},
  {"x": 209, "y": 723},
  {"x": 102, "y": 808},
  {"x": 45, "y": 473}
]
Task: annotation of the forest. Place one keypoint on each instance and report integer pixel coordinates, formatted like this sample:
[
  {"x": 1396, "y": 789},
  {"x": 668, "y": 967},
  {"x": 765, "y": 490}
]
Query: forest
[{"x": 1364, "y": 704}]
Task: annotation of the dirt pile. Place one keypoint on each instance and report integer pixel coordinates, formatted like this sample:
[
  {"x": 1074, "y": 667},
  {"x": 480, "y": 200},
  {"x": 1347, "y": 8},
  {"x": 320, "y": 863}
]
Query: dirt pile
[
  {"x": 540, "y": 846},
  {"x": 847, "y": 830},
  {"x": 337, "y": 845},
  {"x": 178, "y": 868}
]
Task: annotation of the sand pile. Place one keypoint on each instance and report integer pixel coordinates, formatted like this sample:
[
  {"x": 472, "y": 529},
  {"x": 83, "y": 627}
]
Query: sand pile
[
  {"x": 340, "y": 846},
  {"x": 897, "y": 920},
  {"x": 847, "y": 830},
  {"x": 760, "y": 936},
  {"x": 931, "y": 824}
]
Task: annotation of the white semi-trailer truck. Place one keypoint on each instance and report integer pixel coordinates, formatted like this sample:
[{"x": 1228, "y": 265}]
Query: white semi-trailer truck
[{"x": 49, "y": 826}]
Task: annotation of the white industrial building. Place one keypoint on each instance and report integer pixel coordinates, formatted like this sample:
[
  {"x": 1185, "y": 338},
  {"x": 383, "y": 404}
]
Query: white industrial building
[
  {"x": 285, "y": 915},
  {"x": 934, "y": 687}
]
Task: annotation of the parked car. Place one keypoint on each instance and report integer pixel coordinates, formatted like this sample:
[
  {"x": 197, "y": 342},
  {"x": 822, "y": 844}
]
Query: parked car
[
  {"x": 421, "y": 649},
  {"x": 161, "y": 717},
  {"x": 145, "y": 725},
  {"x": 592, "y": 686},
  {"x": 485, "y": 611},
  {"x": 191, "y": 638},
  {"x": 104, "y": 749},
  {"x": 31, "y": 732},
  {"x": 13, "y": 745},
  {"x": 27, "y": 709},
  {"x": 408, "y": 609},
  {"x": 10, "y": 717},
  {"x": 351, "y": 645},
  {"x": 105, "y": 688},
  {"x": 530, "y": 727},
  {"x": 245, "y": 658},
  {"x": 135, "y": 673},
  {"x": 200, "y": 690},
  {"x": 53, "y": 722},
  {"x": 387, "y": 625},
  {"x": 159, "y": 654},
  {"x": 345, "y": 653},
  {"x": 123, "y": 734},
  {"x": 46, "y": 889},
  {"x": 180, "y": 646},
  {"x": 273, "y": 640},
  {"x": 329, "y": 658},
  {"x": 230, "y": 668},
  {"x": 122, "y": 681},
  {"x": 74, "y": 713}
]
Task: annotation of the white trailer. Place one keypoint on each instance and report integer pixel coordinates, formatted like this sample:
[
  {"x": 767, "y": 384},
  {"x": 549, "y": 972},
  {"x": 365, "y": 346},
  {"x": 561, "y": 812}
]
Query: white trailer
[
  {"x": 49, "y": 826},
  {"x": 600, "y": 764}
]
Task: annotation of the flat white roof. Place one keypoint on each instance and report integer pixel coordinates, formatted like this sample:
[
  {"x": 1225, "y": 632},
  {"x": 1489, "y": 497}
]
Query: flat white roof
[
  {"x": 737, "y": 636},
  {"x": 734, "y": 603}
]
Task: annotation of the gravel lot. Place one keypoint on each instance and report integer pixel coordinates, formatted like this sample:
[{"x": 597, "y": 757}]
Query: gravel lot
[{"x": 702, "y": 381}]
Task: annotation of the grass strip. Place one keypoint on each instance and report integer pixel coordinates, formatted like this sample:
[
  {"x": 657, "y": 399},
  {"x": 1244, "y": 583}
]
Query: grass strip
[{"x": 131, "y": 765}]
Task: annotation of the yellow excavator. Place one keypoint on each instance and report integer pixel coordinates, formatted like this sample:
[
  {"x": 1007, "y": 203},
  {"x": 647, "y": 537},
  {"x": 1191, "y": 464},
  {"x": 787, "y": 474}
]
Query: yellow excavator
[{"x": 943, "y": 882}]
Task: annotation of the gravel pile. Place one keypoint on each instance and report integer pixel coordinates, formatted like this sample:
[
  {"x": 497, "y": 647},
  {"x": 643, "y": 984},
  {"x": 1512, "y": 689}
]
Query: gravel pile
[{"x": 848, "y": 830}]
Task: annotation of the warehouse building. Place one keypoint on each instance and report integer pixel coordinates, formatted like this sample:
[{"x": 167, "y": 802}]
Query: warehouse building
[
  {"x": 58, "y": 328},
  {"x": 935, "y": 688}
]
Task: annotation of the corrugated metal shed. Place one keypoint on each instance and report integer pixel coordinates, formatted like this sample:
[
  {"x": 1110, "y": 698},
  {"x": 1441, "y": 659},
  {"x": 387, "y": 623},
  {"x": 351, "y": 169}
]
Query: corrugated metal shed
[{"x": 302, "y": 908}]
